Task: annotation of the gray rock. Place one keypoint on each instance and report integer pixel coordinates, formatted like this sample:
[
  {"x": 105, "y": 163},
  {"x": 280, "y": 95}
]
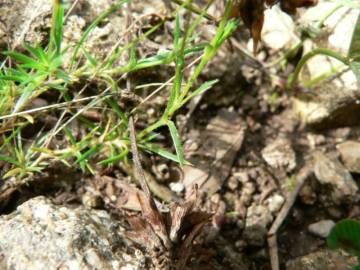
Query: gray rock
[
  {"x": 275, "y": 202},
  {"x": 329, "y": 171},
  {"x": 280, "y": 154},
  {"x": 255, "y": 235},
  {"x": 350, "y": 155},
  {"x": 41, "y": 235},
  {"x": 258, "y": 215},
  {"x": 323, "y": 259},
  {"x": 258, "y": 218},
  {"x": 321, "y": 228}
]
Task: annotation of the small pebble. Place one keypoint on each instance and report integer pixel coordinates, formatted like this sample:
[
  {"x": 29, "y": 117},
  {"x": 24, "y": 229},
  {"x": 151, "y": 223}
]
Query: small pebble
[
  {"x": 275, "y": 202},
  {"x": 321, "y": 228},
  {"x": 177, "y": 187}
]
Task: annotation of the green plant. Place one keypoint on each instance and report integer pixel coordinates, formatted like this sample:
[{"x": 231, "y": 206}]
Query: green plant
[
  {"x": 105, "y": 143},
  {"x": 346, "y": 235},
  {"x": 352, "y": 59}
]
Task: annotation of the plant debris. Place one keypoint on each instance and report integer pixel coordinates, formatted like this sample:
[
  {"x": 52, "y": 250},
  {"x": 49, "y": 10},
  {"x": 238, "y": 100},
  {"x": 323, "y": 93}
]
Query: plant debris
[{"x": 169, "y": 236}]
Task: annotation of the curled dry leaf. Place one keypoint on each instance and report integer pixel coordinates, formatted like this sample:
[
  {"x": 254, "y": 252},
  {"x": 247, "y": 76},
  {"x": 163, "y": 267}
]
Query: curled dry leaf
[
  {"x": 290, "y": 6},
  {"x": 169, "y": 236},
  {"x": 252, "y": 13}
]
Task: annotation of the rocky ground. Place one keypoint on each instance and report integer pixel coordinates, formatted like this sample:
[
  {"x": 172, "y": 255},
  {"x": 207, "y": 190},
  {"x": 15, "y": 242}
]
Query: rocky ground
[{"x": 276, "y": 168}]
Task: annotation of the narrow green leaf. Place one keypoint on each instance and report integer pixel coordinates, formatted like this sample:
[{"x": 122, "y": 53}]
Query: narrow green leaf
[
  {"x": 348, "y": 3},
  {"x": 70, "y": 135},
  {"x": 177, "y": 32},
  {"x": 162, "y": 152},
  {"x": 355, "y": 67},
  {"x": 36, "y": 52},
  {"x": 204, "y": 87},
  {"x": 133, "y": 58},
  {"x": 93, "y": 150},
  {"x": 113, "y": 104},
  {"x": 177, "y": 143},
  {"x": 9, "y": 160},
  {"x": 63, "y": 75},
  {"x": 19, "y": 79},
  {"x": 59, "y": 87},
  {"x": 22, "y": 58},
  {"x": 57, "y": 27},
  {"x": 151, "y": 137},
  {"x": 6, "y": 140},
  {"x": 90, "y": 58},
  {"x": 113, "y": 159},
  {"x": 12, "y": 172},
  {"x": 37, "y": 66},
  {"x": 24, "y": 98},
  {"x": 354, "y": 50}
]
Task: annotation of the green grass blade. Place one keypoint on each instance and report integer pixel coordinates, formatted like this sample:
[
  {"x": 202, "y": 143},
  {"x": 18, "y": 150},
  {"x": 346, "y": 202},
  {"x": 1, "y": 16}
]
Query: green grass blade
[
  {"x": 18, "y": 79},
  {"x": 115, "y": 158},
  {"x": 162, "y": 152},
  {"x": 57, "y": 27},
  {"x": 354, "y": 50},
  {"x": 93, "y": 150},
  {"x": 9, "y": 160},
  {"x": 13, "y": 172},
  {"x": 113, "y": 104},
  {"x": 24, "y": 98},
  {"x": 177, "y": 143},
  {"x": 204, "y": 87},
  {"x": 36, "y": 52},
  {"x": 70, "y": 135},
  {"x": 22, "y": 58},
  {"x": 93, "y": 62}
]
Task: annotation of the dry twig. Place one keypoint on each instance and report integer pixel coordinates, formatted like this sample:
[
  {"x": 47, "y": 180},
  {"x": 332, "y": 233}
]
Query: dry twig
[{"x": 272, "y": 235}]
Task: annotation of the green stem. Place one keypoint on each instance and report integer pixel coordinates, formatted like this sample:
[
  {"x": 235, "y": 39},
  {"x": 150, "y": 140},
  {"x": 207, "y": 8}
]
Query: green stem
[
  {"x": 194, "y": 9},
  {"x": 209, "y": 53},
  {"x": 313, "y": 82},
  {"x": 322, "y": 51},
  {"x": 298, "y": 45},
  {"x": 153, "y": 127},
  {"x": 320, "y": 24}
]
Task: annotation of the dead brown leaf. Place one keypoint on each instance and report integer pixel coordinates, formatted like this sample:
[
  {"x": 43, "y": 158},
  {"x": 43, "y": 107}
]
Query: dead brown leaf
[
  {"x": 169, "y": 236},
  {"x": 290, "y": 6},
  {"x": 252, "y": 13}
]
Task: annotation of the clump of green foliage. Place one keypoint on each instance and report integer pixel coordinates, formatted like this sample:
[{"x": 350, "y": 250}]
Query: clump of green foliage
[{"x": 42, "y": 69}]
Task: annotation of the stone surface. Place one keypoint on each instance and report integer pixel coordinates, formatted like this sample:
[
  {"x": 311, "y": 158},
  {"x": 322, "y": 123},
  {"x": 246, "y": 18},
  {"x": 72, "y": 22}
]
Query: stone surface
[
  {"x": 255, "y": 235},
  {"x": 25, "y": 21},
  {"x": 329, "y": 171},
  {"x": 321, "y": 228},
  {"x": 278, "y": 29},
  {"x": 40, "y": 235},
  {"x": 258, "y": 215},
  {"x": 280, "y": 153},
  {"x": 275, "y": 202},
  {"x": 257, "y": 220},
  {"x": 323, "y": 259},
  {"x": 350, "y": 155},
  {"x": 214, "y": 153}
]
